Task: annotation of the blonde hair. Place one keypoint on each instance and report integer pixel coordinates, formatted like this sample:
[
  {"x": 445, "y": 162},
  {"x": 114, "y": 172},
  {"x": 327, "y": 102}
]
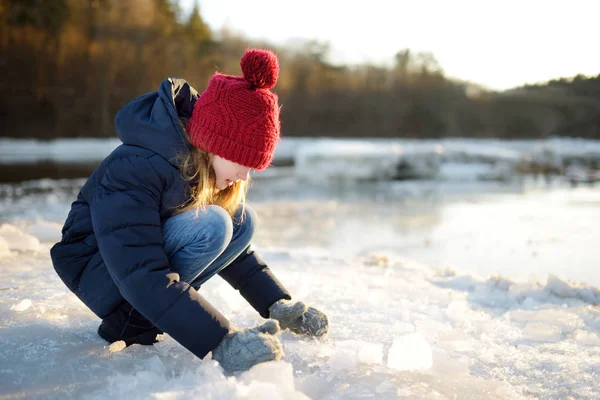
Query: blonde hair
[{"x": 197, "y": 170}]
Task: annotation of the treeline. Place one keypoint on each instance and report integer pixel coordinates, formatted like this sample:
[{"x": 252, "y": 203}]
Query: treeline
[{"x": 67, "y": 66}]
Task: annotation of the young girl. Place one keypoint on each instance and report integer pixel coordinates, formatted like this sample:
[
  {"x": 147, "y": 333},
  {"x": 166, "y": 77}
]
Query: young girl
[{"x": 165, "y": 211}]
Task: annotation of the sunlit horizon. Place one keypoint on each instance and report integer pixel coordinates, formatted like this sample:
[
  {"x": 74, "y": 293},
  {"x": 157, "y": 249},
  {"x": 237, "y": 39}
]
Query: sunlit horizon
[{"x": 499, "y": 46}]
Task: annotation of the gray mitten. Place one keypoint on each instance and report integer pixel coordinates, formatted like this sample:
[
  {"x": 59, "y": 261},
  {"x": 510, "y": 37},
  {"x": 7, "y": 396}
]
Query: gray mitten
[
  {"x": 299, "y": 318},
  {"x": 240, "y": 349}
]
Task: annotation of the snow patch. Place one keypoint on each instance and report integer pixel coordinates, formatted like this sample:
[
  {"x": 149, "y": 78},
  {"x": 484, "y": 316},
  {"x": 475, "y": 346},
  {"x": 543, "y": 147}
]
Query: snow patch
[
  {"x": 17, "y": 240},
  {"x": 22, "y": 306},
  {"x": 498, "y": 291}
]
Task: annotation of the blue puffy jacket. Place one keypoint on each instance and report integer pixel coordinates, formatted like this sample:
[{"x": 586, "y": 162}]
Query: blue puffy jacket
[{"x": 112, "y": 243}]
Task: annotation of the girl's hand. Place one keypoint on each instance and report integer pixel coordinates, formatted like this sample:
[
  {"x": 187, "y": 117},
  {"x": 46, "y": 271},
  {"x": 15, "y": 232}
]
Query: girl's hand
[
  {"x": 299, "y": 318},
  {"x": 240, "y": 349}
]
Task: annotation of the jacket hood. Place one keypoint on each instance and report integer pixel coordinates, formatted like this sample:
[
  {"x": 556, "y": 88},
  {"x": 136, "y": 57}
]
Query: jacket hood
[{"x": 154, "y": 120}]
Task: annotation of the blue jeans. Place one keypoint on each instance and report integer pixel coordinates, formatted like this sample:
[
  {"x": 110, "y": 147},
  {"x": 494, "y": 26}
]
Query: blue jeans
[{"x": 200, "y": 247}]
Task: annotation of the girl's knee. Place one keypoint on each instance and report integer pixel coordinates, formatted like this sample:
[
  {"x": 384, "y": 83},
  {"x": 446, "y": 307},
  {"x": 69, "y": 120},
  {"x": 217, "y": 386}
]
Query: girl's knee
[
  {"x": 218, "y": 226},
  {"x": 247, "y": 222},
  {"x": 211, "y": 227}
]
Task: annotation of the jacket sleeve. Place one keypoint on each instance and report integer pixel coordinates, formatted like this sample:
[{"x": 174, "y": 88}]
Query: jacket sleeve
[
  {"x": 256, "y": 282},
  {"x": 127, "y": 225}
]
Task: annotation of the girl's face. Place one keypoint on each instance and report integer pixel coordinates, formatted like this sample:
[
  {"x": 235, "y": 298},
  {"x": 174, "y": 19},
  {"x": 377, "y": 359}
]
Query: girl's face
[{"x": 227, "y": 172}]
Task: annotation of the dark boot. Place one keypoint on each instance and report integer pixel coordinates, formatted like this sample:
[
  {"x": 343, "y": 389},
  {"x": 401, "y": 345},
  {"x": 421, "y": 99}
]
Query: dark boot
[{"x": 127, "y": 324}]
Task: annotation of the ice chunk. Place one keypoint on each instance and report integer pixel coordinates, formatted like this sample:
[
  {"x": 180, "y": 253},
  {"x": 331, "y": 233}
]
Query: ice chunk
[
  {"x": 275, "y": 372},
  {"x": 370, "y": 353},
  {"x": 587, "y": 338},
  {"x": 458, "y": 311},
  {"x": 272, "y": 380},
  {"x": 346, "y": 355},
  {"x": 541, "y": 332},
  {"x": 22, "y": 306},
  {"x": 117, "y": 346},
  {"x": 271, "y": 391},
  {"x": 431, "y": 328},
  {"x": 410, "y": 352},
  {"x": 455, "y": 340},
  {"x": 565, "y": 320},
  {"x": 445, "y": 365},
  {"x": 17, "y": 240}
]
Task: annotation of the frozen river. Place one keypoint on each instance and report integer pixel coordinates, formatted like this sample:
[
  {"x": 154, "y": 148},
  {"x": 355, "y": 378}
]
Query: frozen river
[{"x": 523, "y": 230}]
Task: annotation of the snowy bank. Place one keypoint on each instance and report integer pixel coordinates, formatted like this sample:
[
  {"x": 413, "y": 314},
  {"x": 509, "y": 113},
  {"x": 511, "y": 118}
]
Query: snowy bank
[
  {"x": 562, "y": 151},
  {"x": 337, "y": 160},
  {"x": 324, "y": 160},
  {"x": 466, "y": 151},
  {"x": 398, "y": 330},
  {"x": 81, "y": 150}
]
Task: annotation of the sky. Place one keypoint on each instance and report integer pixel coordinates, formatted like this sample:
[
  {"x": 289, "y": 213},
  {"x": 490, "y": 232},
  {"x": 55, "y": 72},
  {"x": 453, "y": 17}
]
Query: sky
[{"x": 498, "y": 44}]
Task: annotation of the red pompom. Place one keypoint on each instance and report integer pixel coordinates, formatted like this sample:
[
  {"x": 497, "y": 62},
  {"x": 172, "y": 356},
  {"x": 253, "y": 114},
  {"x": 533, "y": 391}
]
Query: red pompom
[{"x": 260, "y": 68}]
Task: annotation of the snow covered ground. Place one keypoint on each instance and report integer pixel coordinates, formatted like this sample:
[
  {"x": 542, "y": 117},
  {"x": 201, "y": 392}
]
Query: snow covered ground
[{"x": 416, "y": 311}]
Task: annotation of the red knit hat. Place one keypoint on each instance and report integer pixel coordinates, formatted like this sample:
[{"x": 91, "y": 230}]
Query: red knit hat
[{"x": 236, "y": 117}]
